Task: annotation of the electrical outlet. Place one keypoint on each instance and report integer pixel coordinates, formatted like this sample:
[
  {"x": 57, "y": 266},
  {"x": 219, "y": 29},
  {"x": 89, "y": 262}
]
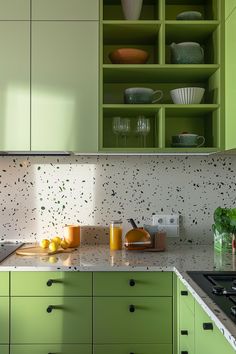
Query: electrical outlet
[
  {"x": 159, "y": 220},
  {"x": 172, "y": 219},
  {"x": 167, "y": 223}
]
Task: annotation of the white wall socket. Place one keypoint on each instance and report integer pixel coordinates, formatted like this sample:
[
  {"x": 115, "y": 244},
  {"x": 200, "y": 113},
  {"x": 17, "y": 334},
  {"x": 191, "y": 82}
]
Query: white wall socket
[{"x": 168, "y": 223}]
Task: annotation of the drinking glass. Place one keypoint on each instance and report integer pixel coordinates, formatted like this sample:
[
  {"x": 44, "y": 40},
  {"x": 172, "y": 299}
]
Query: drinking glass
[
  {"x": 143, "y": 129},
  {"x": 116, "y": 128},
  {"x": 125, "y": 129}
]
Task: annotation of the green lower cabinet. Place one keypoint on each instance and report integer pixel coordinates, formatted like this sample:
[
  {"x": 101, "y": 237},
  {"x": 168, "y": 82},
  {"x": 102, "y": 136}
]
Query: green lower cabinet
[
  {"x": 51, "y": 348},
  {"x": 186, "y": 330},
  {"x": 133, "y": 320},
  {"x": 4, "y": 284},
  {"x": 51, "y": 320},
  {"x": 208, "y": 338},
  {"x": 4, "y": 320},
  {"x": 4, "y": 349},
  {"x": 133, "y": 348}
]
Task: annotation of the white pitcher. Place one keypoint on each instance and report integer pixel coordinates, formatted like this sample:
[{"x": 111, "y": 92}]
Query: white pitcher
[{"x": 132, "y": 9}]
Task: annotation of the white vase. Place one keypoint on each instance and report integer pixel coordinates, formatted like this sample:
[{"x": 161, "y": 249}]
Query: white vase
[{"x": 132, "y": 9}]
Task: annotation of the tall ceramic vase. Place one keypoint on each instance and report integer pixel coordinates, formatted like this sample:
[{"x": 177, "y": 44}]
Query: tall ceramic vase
[{"x": 132, "y": 9}]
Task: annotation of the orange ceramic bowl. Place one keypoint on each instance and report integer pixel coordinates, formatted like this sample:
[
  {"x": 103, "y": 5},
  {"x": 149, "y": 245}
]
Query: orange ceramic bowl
[{"x": 129, "y": 56}]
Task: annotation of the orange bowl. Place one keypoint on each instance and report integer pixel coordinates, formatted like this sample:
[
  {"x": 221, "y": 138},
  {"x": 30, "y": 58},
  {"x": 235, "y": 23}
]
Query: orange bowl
[{"x": 129, "y": 56}]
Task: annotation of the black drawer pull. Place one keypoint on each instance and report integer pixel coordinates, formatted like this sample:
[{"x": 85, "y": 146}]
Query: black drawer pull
[
  {"x": 132, "y": 282},
  {"x": 131, "y": 308},
  {"x": 184, "y": 293},
  {"x": 50, "y": 308},
  {"x": 131, "y": 353},
  {"x": 184, "y": 352},
  {"x": 207, "y": 326},
  {"x": 184, "y": 333},
  {"x": 50, "y": 282}
]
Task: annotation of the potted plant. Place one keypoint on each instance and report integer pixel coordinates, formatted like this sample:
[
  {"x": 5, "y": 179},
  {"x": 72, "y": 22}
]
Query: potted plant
[{"x": 224, "y": 228}]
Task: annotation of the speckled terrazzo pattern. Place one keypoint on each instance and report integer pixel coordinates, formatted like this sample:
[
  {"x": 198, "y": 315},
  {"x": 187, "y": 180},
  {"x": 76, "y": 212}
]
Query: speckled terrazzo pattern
[
  {"x": 38, "y": 195},
  {"x": 178, "y": 258}
]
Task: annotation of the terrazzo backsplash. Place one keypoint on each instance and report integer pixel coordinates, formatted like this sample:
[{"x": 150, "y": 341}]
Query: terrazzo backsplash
[{"x": 41, "y": 194}]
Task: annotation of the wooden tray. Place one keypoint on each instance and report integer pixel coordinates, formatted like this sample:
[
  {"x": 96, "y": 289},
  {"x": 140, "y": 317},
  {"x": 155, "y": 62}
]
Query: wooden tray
[{"x": 38, "y": 251}]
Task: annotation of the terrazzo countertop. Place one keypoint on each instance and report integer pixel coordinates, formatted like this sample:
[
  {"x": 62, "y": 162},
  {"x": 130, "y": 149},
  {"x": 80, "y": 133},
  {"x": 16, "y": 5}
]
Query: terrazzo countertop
[{"x": 178, "y": 258}]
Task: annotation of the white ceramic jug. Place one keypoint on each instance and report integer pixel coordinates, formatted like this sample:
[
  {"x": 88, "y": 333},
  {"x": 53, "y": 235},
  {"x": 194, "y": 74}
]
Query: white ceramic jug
[{"x": 132, "y": 9}]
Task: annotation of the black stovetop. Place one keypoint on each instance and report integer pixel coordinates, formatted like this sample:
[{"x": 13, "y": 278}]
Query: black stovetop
[
  {"x": 220, "y": 287},
  {"x": 6, "y": 249}
]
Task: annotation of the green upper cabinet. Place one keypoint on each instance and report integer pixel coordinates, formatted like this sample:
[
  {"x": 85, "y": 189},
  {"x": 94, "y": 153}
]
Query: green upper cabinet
[
  {"x": 14, "y": 10},
  {"x": 65, "y": 9},
  {"x": 64, "y": 86},
  {"x": 230, "y": 78},
  {"x": 14, "y": 84},
  {"x": 208, "y": 338},
  {"x": 230, "y": 5}
]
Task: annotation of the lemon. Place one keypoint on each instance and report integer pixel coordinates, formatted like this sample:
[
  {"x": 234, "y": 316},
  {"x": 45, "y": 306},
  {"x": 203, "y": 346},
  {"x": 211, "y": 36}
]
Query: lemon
[
  {"x": 53, "y": 259},
  {"x": 64, "y": 244},
  {"x": 57, "y": 240},
  {"x": 44, "y": 243},
  {"x": 53, "y": 246}
]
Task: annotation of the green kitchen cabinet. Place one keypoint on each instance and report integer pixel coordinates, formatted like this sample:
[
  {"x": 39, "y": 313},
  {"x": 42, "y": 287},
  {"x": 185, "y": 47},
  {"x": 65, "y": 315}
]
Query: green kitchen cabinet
[
  {"x": 208, "y": 338},
  {"x": 4, "y": 349},
  {"x": 65, "y": 10},
  {"x": 4, "y": 284},
  {"x": 132, "y": 284},
  {"x": 64, "y": 86},
  {"x": 230, "y": 79},
  {"x": 230, "y": 6},
  {"x": 45, "y": 320},
  {"x": 14, "y": 83},
  {"x": 51, "y": 284},
  {"x": 133, "y": 348},
  {"x": 14, "y": 10},
  {"x": 186, "y": 330},
  {"x": 155, "y": 32},
  {"x": 51, "y": 348},
  {"x": 4, "y": 320},
  {"x": 132, "y": 320}
]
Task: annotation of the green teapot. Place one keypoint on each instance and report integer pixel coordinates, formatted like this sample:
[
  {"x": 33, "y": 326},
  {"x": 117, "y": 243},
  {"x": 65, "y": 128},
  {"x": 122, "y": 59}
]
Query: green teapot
[{"x": 187, "y": 53}]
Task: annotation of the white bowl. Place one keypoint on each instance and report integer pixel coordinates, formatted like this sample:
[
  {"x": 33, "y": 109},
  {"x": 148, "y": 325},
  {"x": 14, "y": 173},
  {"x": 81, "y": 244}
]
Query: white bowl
[{"x": 187, "y": 95}]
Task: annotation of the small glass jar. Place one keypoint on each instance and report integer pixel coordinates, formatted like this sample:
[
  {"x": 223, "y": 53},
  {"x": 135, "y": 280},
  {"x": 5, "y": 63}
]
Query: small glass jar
[{"x": 116, "y": 235}]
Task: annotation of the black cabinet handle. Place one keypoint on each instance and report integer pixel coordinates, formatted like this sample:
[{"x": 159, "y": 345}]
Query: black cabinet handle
[
  {"x": 132, "y": 282},
  {"x": 184, "y": 333},
  {"x": 184, "y": 293},
  {"x": 50, "y": 308},
  {"x": 50, "y": 282},
  {"x": 131, "y": 353},
  {"x": 131, "y": 308},
  {"x": 53, "y": 281},
  {"x": 208, "y": 326},
  {"x": 184, "y": 352}
]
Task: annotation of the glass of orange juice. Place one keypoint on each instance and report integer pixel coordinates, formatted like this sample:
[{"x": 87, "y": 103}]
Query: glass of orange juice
[{"x": 116, "y": 235}]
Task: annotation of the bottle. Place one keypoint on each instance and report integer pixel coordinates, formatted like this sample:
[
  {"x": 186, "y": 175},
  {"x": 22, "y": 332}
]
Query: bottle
[{"x": 116, "y": 235}]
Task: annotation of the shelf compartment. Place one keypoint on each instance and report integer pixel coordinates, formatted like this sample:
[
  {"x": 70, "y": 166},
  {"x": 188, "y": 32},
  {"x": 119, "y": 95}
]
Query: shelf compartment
[
  {"x": 207, "y": 36},
  {"x": 189, "y": 31},
  {"x": 112, "y": 10},
  {"x": 205, "y": 123},
  {"x": 158, "y": 73},
  {"x": 209, "y": 8},
  {"x": 127, "y": 32},
  {"x": 114, "y": 93},
  {"x": 133, "y": 140}
]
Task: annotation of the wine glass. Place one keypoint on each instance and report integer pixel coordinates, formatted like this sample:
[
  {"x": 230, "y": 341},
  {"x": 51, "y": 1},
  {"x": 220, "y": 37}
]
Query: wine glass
[
  {"x": 125, "y": 129},
  {"x": 143, "y": 129},
  {"x": 116, "y": 128}
]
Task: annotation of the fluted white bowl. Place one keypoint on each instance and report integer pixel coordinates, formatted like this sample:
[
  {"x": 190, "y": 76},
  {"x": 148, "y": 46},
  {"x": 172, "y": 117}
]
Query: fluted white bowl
[{"x": 187, "y": 95}]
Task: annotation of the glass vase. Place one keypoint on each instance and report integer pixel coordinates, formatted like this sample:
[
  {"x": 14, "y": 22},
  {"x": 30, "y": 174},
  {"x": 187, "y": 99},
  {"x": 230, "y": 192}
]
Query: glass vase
[{"x": 223, "y": 241}]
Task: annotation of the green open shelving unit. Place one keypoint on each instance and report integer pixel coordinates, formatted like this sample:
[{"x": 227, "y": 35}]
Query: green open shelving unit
[{"x": 154, "y": 32}]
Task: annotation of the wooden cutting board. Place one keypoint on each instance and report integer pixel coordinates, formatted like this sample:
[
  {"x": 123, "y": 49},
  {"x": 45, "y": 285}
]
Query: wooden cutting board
[{"x": 38, "y": 251}]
